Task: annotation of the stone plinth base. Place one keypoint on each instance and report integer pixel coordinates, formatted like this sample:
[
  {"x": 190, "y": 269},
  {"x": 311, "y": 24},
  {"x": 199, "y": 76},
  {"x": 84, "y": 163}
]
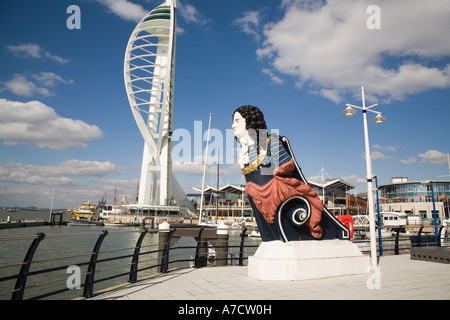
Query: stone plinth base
[{"x": 302, "y": 260}]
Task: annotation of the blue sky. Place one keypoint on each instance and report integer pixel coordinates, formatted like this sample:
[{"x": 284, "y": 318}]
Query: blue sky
[{"x": 65, "y": 121}]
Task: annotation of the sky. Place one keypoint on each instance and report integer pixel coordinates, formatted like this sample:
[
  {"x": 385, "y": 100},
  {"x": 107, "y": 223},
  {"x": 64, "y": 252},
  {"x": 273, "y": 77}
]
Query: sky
[{"x": 66, "y": 125}]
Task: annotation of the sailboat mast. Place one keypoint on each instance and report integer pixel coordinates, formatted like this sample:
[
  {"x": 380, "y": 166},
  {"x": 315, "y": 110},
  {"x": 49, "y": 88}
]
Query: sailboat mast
[
  {"x": 51, "y": 206},
  {"x": 204, "y": 172},
  {"x": 218, "y": 194}
]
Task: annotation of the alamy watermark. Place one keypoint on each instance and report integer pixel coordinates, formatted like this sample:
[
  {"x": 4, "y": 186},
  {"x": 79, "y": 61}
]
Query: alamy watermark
[
  {"x": 74, "y": 280},
  {"x": 74, "y": 20},
  {"x": 374, "y": 280},
  {"x": 188, "y": 146},
  {"x": 373, "y": 22}
]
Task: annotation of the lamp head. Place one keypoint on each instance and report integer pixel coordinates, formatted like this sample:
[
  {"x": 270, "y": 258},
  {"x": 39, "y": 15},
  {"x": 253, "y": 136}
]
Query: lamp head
[
  {"x": 349, "y": 111},
  {"x": 379, "y": 119}
]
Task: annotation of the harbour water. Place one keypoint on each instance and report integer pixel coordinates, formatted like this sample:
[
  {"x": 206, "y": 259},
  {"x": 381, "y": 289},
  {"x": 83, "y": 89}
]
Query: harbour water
[{"x": 76, "y": 243}]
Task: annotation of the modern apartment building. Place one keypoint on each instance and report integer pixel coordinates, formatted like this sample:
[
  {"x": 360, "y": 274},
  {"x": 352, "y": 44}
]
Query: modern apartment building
[{"x": 416, "y": 197}]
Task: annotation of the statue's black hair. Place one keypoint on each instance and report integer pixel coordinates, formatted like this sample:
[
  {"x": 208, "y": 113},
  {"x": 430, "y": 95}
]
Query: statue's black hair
[{"x": 254, "y": 123}]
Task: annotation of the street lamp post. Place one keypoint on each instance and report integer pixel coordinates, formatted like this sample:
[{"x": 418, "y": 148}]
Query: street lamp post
[
  {"x": 349, "y": 111},
  {"x": 380, "y": 244},
  {"x": 430, "y": 184}
]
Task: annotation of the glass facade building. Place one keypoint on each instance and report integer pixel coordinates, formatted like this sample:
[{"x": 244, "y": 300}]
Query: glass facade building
[{"x": 416, "y": 197}]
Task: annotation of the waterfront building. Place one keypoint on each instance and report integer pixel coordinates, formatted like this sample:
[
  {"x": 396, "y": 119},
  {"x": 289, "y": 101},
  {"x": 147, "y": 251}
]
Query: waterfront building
[
  {"x": 334, "y": 194},
  {"x": 415, "y": 198},
  {"x": 225, "y": 202},
  {"x": 230, "y": 200}
]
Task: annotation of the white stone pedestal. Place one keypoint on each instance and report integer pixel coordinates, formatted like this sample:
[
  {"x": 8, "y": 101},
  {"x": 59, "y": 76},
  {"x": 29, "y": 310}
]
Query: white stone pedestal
[{"x": 302, "y": 260}]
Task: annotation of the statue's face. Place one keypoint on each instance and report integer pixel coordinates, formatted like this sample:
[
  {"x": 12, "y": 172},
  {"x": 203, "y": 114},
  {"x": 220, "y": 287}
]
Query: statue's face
[{"x": 239, "y": 125}]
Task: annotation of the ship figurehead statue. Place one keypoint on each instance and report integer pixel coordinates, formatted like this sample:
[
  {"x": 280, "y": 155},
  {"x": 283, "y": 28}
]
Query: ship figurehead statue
[{"x": 285, "y": 207}]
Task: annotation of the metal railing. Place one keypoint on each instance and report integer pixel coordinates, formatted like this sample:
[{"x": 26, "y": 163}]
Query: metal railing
[
  {"x": 162, "y": 255},
  {"x": 398, "y": 242},
  {"x": 144, "y": 259}
]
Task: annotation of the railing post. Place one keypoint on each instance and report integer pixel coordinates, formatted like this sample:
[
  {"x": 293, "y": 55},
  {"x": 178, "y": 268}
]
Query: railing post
[
  {"x": 163, "y": 236},
  {"x": 241, "y": 249},
  {"x": 135, "y": 261},
  {"x": 197, "y": 250},
  {"x": 419, "y": 237},
  {"x": 23, "y": 274},
  {"x": 222, "y": 244},
  {"x": 165, "y": 258},
  {"x": 88, "y": 290},
  {"x": 396, "y": 249},
  {"x": 440, "y": 235}
]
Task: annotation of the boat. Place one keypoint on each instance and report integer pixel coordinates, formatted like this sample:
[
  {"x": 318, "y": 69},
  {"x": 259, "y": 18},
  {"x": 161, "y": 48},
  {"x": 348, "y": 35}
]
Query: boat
[
  {"x": 81, "y": 223},
  {"x": 85, "y": 215},
  {"x": 255, "y": 234},
  {"x": 114, "y": 209},
  {"x": 109, "y": 210},
  {"x": 114, "y": 224},
  {"x": 393, "y": 219},
  {"x": 30, "y": 208}
]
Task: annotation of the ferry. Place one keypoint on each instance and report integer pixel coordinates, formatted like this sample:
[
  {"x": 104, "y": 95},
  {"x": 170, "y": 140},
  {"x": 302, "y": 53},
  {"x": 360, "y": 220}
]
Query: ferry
[
  {"x": 85, "y": 215},
  {"x": 112, "y": 210},
  {"x": 108, "y": 210}
]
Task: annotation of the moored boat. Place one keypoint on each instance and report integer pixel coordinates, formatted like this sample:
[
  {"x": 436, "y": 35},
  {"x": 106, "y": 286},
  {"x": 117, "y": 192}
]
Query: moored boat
[
  {"x": 393, "y": 219},
  {"x": 81, "y": 223},
  {"x": 114, "y": 224},
  {"x": 255, "y": 234},
  {"x": 86, "y": 215}
]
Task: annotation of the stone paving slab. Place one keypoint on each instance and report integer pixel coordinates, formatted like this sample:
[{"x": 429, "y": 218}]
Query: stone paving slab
[{"x": 398, "y": 277}]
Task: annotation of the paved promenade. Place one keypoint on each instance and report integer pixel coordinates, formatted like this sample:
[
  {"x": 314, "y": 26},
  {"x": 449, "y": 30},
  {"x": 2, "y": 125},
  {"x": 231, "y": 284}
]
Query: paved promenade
[{"x": 399, "y": 277}]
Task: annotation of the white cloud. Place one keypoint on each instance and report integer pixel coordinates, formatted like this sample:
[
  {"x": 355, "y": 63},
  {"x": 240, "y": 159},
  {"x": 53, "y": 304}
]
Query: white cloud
[
  {"x": 17, "y": 172},
  {"x": 125, "y": 9},
  {"x": 28, "y": 174},
  {"x": 410, "y": 160},
  {"x": 376, "y": 155},
  {"x": 353, "y": 179},
  {"x": 118, "y": 184},
  {"x": 332, "y": 94},
  {"x": 32, "y": 50},
  {"x": 58, "y": 174},
  {"x": 388, "y": 148},
  {"x": 190, "y": 14},
  {"x": 275, "y": 79},
  {"x": 79, "y": 168},
  {"x": 35, "y": 123},
  {"x": 327, "y": 44},
  {"x": 20, "y": 85},
  {"x": 249, "y": 23},
  {"x": 434, "y": 156},
  {"x": 135, "y": 12},
  {"x": 23, "y": 184},
  {"x": 50, "y": 79}
]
